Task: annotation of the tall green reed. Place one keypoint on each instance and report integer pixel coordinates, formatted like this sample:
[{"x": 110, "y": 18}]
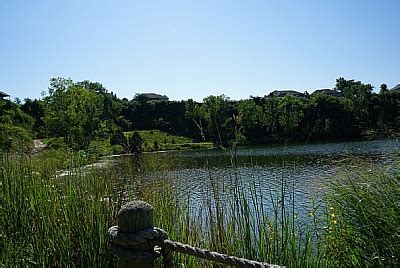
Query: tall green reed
[
  {"x": 53, "y": 221},
  {"x": 232, "y": 218},
  {"x": 62, "y": 221},
  {"x": 364, "y": 220}
]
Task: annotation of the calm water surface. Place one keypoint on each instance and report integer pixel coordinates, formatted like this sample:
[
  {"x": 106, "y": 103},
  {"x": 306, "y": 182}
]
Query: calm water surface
[{"x": 263, "y": 172}]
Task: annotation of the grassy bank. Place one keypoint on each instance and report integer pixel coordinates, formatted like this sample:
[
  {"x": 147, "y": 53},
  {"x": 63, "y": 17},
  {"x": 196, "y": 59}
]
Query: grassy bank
[
  {"x": 49, "y": 220},
  {"x": 156, "y": 140},
  {"x": 153, "y": 140}
]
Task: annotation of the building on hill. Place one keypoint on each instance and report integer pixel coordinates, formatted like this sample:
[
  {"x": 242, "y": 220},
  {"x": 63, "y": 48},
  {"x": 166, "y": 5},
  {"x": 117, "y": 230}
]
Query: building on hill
[
  {"x": 396, "y": 88},
  {"x": 284, "y": 93},
  {"x": 328, "y": 91},
  {"x": 151, "y": 97},
  {"x": 3, "y": 95}
]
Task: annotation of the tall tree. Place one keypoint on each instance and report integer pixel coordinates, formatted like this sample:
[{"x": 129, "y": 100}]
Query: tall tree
[
  {"x": 359, "y": 94},
  {"x": 384, "y": 89},
  {"x": 197, "y": 114},
  {"x": 218, "y": 115},
  {"x": 35, "y": 108},
  {"x": 271, "y": 114},
  {"x": 250, "y": 118},
  {"x": 73, "y": 112},
  {"x": 291, "y": 113}
]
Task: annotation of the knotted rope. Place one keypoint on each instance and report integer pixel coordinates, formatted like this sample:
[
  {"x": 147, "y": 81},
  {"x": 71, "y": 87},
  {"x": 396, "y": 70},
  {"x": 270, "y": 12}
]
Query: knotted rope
[{"x": 129, "y": 245}]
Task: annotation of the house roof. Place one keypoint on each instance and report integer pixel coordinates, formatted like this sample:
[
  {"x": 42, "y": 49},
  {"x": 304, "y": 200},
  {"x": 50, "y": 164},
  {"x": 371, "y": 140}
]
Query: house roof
[
  {"x": 287, "y": 92},
  {"x": 397, "y": 87},
  {"x": 327, "y": 91},
  {"x": 323, "y": 90},
  {"x": 3, "y": 94},
  {"x": 154, "y": 96}
]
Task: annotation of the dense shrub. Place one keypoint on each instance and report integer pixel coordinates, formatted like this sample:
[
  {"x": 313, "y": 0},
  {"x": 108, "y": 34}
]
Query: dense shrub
[{"x": 15, "y": 138}]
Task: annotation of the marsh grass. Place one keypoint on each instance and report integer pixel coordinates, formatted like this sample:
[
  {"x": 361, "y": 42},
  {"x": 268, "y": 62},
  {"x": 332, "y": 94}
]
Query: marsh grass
[
  {"x": 51, "y": 221},
  {"x": 48, "y": 220},
  {"x": 233, "y": 219},
  {"x": 364, "y": 220}
]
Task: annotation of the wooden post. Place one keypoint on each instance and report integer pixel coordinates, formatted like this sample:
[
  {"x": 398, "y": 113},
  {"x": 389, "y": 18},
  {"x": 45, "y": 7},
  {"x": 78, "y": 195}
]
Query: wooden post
[{"x": 133, "y": 217}]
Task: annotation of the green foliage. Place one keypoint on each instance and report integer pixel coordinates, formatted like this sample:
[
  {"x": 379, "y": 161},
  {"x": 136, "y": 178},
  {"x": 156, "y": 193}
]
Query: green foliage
[
  {"x": 167, "y": 141},
  {"x": 136, "y": 142},
  {"x": 250, "y": 118},
  {"x": 329, "y": 117},
  {"x": 195, "y": 113},
  {"x": 291, "y": 113},
  {"x": 234, "y": 225},
  {"x": 155, "y": 145},
  {"x": 11, "y": 113},
  {"x": 364, "y": 221},
  {"x": 155, "y": 135},
  {"x": 15, "y": 138},
  {"x": 99, "y": 147},
  {"x": 35, "y": 109},
  {"x": 80, "y": 112},
  {"x": 47, "y": 220},
  {"x": 51, "y": 222},
  {"x": 73, "y": 112},
  {"x": 271, "y": 113},
  {"x": 15, "y": 128},
  {"x": 358, "y": 93},
  {"x": 132, "y": 143},
  {"x": 111, "y": 107},
  {"x": 315, "y": 117},
  {"x": 55, "y": 143},
  {"x": 383, "y": 89},
  {"x": 385, "y": 114},
  {"x": 214, "y": 118},
  {"x": 217, "y": 112}
]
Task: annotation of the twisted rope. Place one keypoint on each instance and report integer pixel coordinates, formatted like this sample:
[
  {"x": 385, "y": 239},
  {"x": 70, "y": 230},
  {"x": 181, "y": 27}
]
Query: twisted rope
[{"x": 121, "y": 244}]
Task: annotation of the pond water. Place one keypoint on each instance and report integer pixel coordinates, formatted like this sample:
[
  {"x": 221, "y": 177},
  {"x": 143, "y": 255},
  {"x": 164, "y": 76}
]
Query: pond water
[{"x": 299, "y": 173}]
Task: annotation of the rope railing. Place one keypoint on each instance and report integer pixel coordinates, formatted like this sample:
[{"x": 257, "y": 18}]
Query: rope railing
[{"x": 137, "y": 243}]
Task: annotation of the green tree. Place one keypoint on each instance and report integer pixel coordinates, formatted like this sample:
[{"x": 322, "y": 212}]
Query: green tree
[
  {"x": 250, "y": 118},
  {"x": 329, "y": 117},
  {"x": 11, "y": 113},
  {"x": 132, "y": 143},
  {"x": 359, "y": 94},
  {"x": 384, "y": 111},
  {"x": 73, "y": 112},
  {"x": 197, "y": 114},
  {"x": 15, "y": 138},
  {"x": 219, "y": 117},
  {"x": 35, "y": 108},
  {"x": 59, "y": 84},
  {"x": 291, "y": 113},
  {"x": 15, "y": 127},
  {"x": 384, "y": 89},
  {"x": 112, "y": 106},
  {"x": 271, "y": 111}
]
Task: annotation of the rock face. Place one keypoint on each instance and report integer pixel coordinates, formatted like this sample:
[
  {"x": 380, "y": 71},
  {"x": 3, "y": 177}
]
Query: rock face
[{"x": 38, "y": 146}]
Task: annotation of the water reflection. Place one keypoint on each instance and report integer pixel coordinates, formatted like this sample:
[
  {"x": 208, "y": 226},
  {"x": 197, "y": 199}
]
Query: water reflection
[{"x": 302, "y": 172}]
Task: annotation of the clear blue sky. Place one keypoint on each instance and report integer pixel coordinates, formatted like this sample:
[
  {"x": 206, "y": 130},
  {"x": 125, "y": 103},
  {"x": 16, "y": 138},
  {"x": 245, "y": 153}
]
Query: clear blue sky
[{"x": 192, "y": 49}]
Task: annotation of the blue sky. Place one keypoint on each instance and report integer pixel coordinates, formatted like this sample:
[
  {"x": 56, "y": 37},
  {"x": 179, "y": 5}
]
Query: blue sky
[{"x": 192, "y": 49}]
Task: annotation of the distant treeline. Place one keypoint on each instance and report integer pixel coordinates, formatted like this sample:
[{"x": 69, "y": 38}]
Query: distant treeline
[{"x": 82, "y": 111}]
